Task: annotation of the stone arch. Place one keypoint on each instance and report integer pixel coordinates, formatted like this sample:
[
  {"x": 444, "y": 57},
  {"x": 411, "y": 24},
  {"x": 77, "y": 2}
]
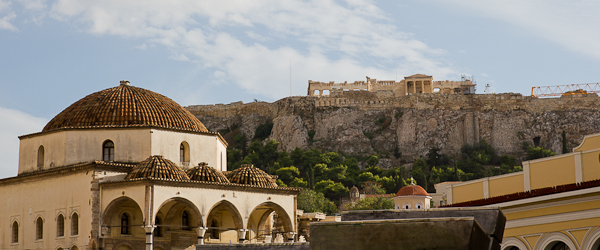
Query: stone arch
[
  {"x": 592, "y": 241},
  {"x": 546, "y": 242},
  {"x": 261, "y": 215},
  {"x": 124, "y": 246},
  {"x": 230, "y": 220},
  {"x": 111, "y": 217},
  {"x": 511, "y": 242},
  {"x": 172, "y": 209}
]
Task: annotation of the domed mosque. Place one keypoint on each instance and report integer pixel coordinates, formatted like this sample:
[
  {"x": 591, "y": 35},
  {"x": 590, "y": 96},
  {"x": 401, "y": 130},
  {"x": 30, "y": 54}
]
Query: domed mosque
[{"x": 128, "y": 168}]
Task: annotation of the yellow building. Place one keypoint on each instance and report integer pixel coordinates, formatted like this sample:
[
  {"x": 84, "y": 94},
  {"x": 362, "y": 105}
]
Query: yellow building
[{"x": 554, "y": 203}]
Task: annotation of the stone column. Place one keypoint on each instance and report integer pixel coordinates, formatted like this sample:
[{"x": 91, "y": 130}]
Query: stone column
[
  {"x": 414, "y": 87},
  {"x": 422, "y": 87},
  {"x": 201, "y": 231},
  {"x": 149, "y": 236},
  {"x": 242, "y": 235},
  {"x": 291, "y": 236}
]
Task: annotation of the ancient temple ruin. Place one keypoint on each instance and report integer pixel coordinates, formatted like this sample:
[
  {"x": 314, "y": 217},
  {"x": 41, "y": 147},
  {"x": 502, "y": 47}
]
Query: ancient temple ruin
[{"x": 414, "y": 84}]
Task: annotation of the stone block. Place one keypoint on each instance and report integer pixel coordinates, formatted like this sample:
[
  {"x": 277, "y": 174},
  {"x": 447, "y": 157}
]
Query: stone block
[
  {"x": 492, "y": 220},
  {"x": 401, "y": 234},
  {"x": 256, "y": 246}
]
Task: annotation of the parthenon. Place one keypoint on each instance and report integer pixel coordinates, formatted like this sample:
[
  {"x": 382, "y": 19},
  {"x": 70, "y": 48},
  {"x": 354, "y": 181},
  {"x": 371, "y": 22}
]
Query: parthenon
[{"x": 414, "y": 84}]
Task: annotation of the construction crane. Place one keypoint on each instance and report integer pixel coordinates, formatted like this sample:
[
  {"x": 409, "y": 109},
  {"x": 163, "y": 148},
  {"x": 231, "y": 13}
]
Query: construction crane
[{"x": 569, "y": 89}]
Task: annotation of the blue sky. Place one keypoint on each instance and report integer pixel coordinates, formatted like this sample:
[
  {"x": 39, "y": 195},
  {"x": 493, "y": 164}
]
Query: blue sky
[{"x": 53, "y": 53}]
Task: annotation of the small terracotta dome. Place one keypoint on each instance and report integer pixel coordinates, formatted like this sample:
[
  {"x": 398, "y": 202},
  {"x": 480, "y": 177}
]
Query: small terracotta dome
[
  {"x": 248, "y": 174},
  {"x": 157, "y": 167},
  {"x": 125, "y": 106},
  {"x": 203, "y": 172},
  {"x": 412, "y": 190}
]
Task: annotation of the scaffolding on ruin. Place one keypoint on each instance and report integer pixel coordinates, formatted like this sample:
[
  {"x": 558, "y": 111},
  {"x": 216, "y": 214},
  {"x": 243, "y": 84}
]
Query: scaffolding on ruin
[{"x": 569, "y": 89}]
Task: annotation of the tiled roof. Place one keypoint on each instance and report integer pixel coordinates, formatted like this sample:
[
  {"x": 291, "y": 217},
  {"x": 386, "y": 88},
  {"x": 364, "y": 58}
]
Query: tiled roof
[
  {"x": 412, "y": 190},
  {"x": 125, "y": 106},
  {"x": 203, "y": 172},
  {"x": 248, "y": 174},
  {"x": 157, "y": 167},
  {"x": 528, "y": 194}
]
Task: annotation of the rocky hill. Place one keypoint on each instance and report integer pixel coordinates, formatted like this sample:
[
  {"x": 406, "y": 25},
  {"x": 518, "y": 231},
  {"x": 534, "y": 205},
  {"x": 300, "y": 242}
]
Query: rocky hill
[{"x": 401, "y": 129}]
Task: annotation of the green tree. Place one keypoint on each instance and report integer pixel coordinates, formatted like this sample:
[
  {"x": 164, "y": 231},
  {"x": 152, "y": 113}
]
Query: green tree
[
  {"x": 298, "y": 182},
  {"x": 538, "y": 152},
  {"x": 371, "y": 187},
  {"x": 311, "y": 201},
  {"x": 374, "y": 203},
  {"x": 373, "y": 160},
  {"x": 288, "y": 174},
  {"x": 332, "y": 190}
]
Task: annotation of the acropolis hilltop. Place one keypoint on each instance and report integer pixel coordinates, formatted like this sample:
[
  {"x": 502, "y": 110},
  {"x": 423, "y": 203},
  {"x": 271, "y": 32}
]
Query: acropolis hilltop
[{"x": 414, "y": 84}]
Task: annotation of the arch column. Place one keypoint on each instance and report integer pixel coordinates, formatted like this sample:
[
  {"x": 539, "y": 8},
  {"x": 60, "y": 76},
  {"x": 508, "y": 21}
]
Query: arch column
[{"x": 149, "y": 236}]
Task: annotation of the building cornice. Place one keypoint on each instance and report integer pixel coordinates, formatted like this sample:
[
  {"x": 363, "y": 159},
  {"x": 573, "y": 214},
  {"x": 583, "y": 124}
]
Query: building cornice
[{"x": 202, "y": 184}]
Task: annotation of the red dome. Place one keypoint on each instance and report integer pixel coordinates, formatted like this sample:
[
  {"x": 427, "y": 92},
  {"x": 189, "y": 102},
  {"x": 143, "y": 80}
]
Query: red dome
[{"x": 412, "y": 190}]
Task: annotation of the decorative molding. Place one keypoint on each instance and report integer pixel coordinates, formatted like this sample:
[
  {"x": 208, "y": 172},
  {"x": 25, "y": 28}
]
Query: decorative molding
[
  {"x": 547, "y": 219},
  {"x": 513, "y": 242},
  {"x": 551, "y": 204},
  {"x": 548, "y": 239},
  {"x": 591, "y": 240}
]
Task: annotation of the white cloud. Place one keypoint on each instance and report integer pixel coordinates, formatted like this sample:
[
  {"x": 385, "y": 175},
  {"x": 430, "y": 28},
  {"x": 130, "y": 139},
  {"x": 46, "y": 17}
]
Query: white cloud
[
  {"x": 15, "y": 123},
  {"x": 572, "y": 24},
  {"x": 331, "y": 39},
  {"x": 6, "y": 16}
]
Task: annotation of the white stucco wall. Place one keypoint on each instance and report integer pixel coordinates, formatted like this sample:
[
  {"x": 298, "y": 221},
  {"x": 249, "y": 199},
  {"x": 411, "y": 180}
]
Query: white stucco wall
[
  {"x": 131, "y": 145},
  {"x": 24, "y": 201},
  {"x": 203, "y": 148}
]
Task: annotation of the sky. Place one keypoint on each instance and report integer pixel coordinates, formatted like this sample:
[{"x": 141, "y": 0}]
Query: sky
[{"x": 53, "y": 53}]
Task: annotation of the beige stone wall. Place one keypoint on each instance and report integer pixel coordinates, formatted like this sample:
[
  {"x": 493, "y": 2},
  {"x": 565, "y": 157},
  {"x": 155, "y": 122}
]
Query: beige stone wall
[
  {"x": 46, "y": 197},
  {"x": 203, "y": 148}
]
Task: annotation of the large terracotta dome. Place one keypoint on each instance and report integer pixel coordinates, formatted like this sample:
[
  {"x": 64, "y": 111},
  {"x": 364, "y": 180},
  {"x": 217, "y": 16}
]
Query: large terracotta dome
[
  {"x": 125, "y": 106},
  {"x": 412, "y": 190}
]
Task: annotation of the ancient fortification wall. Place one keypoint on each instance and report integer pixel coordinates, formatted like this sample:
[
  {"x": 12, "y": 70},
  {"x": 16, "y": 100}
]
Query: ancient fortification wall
[{"x": 404, "y": 128}]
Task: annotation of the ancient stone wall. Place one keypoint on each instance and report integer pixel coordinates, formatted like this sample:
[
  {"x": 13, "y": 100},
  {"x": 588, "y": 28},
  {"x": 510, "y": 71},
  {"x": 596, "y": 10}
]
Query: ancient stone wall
[{"x": 401, "y": 129}]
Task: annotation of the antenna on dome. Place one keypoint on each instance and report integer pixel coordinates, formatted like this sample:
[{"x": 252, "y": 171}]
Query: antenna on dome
[
  {"x": 412, "y": 181},
  {"x": 124, "y": 82}
]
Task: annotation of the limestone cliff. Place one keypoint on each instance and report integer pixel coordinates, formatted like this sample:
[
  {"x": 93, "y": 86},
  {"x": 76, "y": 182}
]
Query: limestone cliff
[{"x": 404, "y": 128}]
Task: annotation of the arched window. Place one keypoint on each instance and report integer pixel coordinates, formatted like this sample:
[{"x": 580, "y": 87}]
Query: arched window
[
  {"x": 60, "y": 226},
  {"x": 125, "y": 224},
  {"x": 75, "y": 224},
  {"x": 185, "y": 220},
  {"x": 157, "y": 230},
  {"x": 40, "y": 159},
  {"x": 419, "y": 205},
  {"x": 406, "y": 205},
  {"x": 184, "y": 152},
  {"x": 15, "y": 232},
  {"x": 108, "y": 151},
  {"x": 74, "y": 248},
  {"x": 39, "y": 228}
]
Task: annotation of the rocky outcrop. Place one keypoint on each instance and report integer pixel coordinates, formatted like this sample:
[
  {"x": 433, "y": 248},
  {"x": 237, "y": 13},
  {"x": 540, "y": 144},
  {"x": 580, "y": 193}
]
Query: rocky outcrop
[{"x": 401, "y": 129}]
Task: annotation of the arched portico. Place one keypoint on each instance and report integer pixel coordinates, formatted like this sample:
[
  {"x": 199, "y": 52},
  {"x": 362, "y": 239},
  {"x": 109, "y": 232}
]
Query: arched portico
[
  {"x": 176, "y": 220},
  {"x": 223, "y": 222},
  {"x": 112, "y": 217},
  {"x": 268, "y": 219}
]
